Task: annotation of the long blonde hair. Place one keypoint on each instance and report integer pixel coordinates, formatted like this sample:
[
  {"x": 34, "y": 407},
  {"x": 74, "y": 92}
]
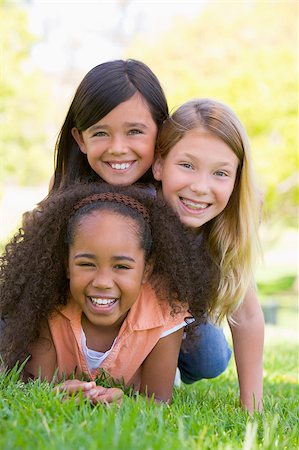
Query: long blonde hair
[{"x": 233, "y": 234}]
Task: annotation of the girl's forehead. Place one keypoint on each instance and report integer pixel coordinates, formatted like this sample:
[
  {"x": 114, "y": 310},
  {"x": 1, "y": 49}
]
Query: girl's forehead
[
  {"x": 202, "y": 134},
  {"x": 96, "y": 216},
  {"x": 107, "y": 226},
  {"x": 136, "y": 102},
  {"x": 107, "y": 222}
]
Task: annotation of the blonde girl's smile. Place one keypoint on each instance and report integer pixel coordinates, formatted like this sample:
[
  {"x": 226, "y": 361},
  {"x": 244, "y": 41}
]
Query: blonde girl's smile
[
  {"x": 198, "y": 176},
  {"x": 193, "y": 205}
]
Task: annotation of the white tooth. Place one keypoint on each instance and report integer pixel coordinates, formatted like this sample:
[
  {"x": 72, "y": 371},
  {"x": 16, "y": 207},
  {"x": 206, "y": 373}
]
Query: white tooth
[
  {"x": 194, "y": 205},
  {"x": 102, "y": 301},
  {"x": 121, "y": 166}
]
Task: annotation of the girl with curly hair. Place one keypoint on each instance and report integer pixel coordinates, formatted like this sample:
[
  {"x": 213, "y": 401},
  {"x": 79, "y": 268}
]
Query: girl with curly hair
[
  {"x": 204, "y": 167},
  {"x": 98, "y": 281}
]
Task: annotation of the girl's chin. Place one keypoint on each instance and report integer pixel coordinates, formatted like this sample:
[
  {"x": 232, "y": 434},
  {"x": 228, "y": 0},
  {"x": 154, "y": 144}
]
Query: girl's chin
[{"x": 193, "y": 223}]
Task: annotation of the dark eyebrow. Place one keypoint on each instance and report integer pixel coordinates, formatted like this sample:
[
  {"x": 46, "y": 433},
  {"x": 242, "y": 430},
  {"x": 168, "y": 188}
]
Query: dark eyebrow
[
  {"x": 114, "y": 258},
  {"x": 135, "y": 125},
  {"x": 97, "y": 127},
  {"x": 84, "y": 255},
  {"x": 123, "y": 257},
  {"x": 126, "y": 124}
]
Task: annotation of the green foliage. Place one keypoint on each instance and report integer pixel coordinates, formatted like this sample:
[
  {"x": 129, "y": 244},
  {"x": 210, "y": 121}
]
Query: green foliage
[
  {"x": 244, "y": 54},
  {"x": 203, "y": 416},
  {"x": 248, "y": 60},
  {"x": 24, "y": 153},
  {"x": 284, "y": 284}
]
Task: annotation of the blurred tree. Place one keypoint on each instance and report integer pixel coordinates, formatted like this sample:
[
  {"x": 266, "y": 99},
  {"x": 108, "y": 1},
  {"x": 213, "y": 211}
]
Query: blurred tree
[
  {"x": 25, "y": 157},
  {"x": 244, "y": 54}
]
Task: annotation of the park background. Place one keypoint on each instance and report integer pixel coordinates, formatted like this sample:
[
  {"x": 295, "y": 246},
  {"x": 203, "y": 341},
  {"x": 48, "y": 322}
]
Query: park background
[{"x": 244, "y": 53}]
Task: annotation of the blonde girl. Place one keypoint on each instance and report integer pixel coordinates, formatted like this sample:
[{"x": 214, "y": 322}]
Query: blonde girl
[{"x": 203, "y": 164}]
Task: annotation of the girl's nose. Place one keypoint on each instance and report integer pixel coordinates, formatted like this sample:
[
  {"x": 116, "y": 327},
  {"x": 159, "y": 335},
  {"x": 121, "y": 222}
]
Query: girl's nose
[
  {"x": 200, "y": 185},
  {"x": 102, "y": 280},
  {"x": 118, "y": 146}
]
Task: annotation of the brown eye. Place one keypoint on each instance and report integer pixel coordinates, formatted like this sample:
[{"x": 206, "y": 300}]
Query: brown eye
[
  {"x": 134, "y": 131},
  {"x": 100, "y": 134},
  {"x": 122, "y": 266}
]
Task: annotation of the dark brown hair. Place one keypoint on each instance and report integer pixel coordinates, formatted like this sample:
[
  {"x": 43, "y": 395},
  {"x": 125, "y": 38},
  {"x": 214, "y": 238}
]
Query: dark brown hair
[{"x": 102, "y": 89}]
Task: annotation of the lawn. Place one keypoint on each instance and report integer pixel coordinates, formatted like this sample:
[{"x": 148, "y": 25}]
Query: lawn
[{"x": 202, "y": 416}]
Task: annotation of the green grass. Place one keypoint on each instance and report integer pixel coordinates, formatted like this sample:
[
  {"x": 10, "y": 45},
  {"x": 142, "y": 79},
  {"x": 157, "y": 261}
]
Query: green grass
[{"x": 202, "y": 416}]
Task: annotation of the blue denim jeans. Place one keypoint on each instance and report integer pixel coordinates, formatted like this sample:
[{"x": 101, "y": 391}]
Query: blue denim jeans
[{"x": 207, "y": 356}]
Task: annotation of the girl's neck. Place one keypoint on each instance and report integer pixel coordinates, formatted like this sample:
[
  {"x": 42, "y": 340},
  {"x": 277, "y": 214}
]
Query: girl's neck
[{"x": 99, "y": 338}]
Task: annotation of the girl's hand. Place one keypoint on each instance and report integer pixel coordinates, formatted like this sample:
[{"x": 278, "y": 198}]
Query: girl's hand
[
  {"x": 106, "y": 395},
  {"x": 75, "y": 386},
  {"x": 96, "y": 394}
]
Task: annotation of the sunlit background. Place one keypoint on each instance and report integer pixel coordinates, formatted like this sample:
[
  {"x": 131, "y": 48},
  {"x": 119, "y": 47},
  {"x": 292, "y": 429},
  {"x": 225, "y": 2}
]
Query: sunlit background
[{"x": 241, "y": 52}]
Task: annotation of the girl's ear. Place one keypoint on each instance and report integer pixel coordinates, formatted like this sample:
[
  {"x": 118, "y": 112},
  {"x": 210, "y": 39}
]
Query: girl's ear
[
  {"x": 78, "y": 138},
  {"x": 157, "y": 168},
  {"x": 147, "y": 271}
]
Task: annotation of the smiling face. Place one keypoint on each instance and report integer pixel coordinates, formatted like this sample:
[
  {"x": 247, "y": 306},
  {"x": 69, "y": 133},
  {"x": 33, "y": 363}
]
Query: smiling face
[
  {"x": 198, "y": 176},
  {"x": 120, "y": 146},
  {"x": 106, "y": 267}
]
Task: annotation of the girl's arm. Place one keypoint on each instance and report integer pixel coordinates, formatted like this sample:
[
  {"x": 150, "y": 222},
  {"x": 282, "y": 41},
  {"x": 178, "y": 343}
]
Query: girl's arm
[
  {"x": 158, "y": 370},
  {"x": 248, "y": 342},
  {"x": 43, "y": 361}
]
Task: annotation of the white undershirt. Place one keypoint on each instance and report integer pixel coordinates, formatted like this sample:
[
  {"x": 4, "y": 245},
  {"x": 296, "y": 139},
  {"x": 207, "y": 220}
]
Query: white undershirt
[{"x": 94, "y": 359}]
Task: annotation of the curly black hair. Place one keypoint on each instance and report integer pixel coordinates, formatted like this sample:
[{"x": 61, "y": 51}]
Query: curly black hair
[{"x": 33, "y": 279}]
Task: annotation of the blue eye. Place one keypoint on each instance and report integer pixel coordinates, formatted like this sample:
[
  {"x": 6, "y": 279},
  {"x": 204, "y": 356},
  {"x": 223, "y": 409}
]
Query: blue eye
[{"x": 220, "y": 173}]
